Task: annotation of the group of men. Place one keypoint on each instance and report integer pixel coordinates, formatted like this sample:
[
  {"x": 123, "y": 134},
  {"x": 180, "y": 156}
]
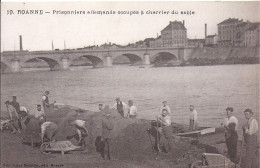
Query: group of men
[
  {"x": 18, "y": 113},
  {"x": 250, "y": 131},
  {"x": 164, "y": 120},
  {"x": 123, "y": 110}
]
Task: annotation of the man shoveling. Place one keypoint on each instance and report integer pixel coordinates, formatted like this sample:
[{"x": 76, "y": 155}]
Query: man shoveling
[{"x": 165, "y": 130}]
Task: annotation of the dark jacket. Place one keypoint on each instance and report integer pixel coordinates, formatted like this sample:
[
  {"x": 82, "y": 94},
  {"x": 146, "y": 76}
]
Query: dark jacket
[{"x": 107, "y": 126}]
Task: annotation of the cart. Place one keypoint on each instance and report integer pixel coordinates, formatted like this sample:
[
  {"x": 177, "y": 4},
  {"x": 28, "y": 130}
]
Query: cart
[
  {"x": 5, "y": 125},
  {"x": 212, "y": 160},
  {"x": 60, "y": 146}
]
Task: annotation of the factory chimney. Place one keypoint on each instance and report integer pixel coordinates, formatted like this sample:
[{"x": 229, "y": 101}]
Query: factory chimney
[
  {"x": 205, "y": 30},
  {"x": 183, "y": 22},
  {"x": 21, "y": 43}
]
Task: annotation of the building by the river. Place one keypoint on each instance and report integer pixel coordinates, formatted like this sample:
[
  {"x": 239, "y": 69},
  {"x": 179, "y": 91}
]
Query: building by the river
[
  {"x": 240, "y": 29},
  {"x": 211, "y": 40},
  {"x": 226, "y": 31},
  {"x": 174, "y": 35},
  {"x": 252, "y": 35}
]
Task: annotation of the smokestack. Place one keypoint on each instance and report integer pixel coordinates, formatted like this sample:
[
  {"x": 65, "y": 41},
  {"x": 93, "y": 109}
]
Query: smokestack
[
  {"x": 52, "y": 46},
  {"x": 205, "y": 30},
  {"x": 183, "y": 22},
  {"x": 21, "y": 43}
]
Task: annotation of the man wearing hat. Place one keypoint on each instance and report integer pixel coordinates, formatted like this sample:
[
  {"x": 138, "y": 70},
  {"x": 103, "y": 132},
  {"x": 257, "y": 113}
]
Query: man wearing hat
[
  {"x": 120, "y": 106},
  {"x": 250, "y": 136},
  {"x": 107, "y": 127},
  {"x": 16, "y": 105},
  {"x": 13, "y": 116},
  {"x": 165, "y": 106},
  {"x": 164, "y": 119},
  {"x": 231, "y": 136}
]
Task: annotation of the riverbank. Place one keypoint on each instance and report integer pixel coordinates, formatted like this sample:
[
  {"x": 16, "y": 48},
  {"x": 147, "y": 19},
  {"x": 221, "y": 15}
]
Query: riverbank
[{"x": 130, "y": 147}]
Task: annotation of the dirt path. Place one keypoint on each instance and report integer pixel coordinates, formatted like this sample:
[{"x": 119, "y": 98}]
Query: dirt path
[{"x": 16, "y": 154}]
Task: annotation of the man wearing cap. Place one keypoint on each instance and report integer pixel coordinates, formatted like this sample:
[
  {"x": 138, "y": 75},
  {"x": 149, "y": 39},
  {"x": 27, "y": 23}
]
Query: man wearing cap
[
  {"x": 231, "y": 136},
  {"x": 107, "y": 127},
  {"x": 120, "y": 106},
  {"x": 39, "y": 114},
  {"x": 165, "y": 106},
  {"x": 164, "y": 119},
  {"x": 11, "y": 110},
  {"x": 45, "y": 100},
  {"x": 14, "y": 118},
  {"x": 16, "y": 105},
  {"x": 250, "y": 136}
]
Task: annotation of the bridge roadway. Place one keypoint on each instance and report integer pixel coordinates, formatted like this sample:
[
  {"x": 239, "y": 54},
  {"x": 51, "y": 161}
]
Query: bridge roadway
[{"x": 63, "y": 59}]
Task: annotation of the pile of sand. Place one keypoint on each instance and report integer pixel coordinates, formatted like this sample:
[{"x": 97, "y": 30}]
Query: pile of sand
[{"x": 130, "y": 140}]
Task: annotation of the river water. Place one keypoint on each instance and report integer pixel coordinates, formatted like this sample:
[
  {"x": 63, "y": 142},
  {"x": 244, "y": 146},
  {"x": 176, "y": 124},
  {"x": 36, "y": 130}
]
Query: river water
[{"x": 211, "y": 89}]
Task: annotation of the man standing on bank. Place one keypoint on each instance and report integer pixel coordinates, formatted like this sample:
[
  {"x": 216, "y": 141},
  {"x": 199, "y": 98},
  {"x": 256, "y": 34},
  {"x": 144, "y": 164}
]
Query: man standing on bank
[
  {"x": 193, "y": 118},
  {"x": 231, "y": 137},
  {"x": 45, "y": 101},
  {"x": 40, "y": 115},
  {"x": 16, "y": 105},
  {"x": 132, "y": 110},
  {"x": 107, "y": 127},
  {"x": 165, "y": 106},
  {"x": 120, "y": 106},
  {"x": 164, "y": 120},
  {"x": 250, "y": 136}
]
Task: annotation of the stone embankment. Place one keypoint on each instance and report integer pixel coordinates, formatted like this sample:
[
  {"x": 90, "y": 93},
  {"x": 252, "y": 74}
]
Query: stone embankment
[{"x": 223, "y": 55}]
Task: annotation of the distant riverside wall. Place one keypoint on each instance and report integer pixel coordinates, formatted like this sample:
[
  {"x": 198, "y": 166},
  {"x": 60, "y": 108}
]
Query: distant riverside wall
[{"x": 223, "y": 55}]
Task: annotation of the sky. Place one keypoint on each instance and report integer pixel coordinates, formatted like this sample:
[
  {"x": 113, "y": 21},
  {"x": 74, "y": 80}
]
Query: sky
[{"x": 77, "y": 31}]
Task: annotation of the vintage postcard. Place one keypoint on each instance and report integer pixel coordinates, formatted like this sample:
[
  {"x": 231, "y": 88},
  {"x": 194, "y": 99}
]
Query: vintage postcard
[{"x": 130, "y": 84}]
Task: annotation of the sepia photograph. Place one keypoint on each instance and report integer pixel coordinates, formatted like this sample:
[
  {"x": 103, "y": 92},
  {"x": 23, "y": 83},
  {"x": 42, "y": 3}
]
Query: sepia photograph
[{"x": 130, "y": 84}]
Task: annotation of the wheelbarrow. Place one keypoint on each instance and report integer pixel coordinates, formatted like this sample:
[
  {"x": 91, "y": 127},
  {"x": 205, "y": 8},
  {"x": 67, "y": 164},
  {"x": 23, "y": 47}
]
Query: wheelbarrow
[
  {"x": 212, "y": 160},
  {"x": 60, "y": 146},
  {"x": 5, "y": 125}
]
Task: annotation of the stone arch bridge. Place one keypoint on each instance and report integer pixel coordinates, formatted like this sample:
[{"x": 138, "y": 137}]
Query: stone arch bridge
[{"x": 62, "y": 59}]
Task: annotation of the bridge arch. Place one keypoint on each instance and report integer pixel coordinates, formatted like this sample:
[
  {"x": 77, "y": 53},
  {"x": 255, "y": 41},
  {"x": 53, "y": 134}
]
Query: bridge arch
[
  {"x": 95, "y": 61},
  {"x": 53, "y": 64},
  {"x": 133, "y": 58},
  {"x": 164, "y": 58},
  {"x": 4, "y": 67}
]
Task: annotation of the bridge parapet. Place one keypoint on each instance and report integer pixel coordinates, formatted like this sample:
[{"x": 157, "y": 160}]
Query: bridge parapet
[{"x": 62, "y": 59}]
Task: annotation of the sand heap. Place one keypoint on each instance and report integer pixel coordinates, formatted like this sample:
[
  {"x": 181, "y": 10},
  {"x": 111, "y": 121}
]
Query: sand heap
[{"x": 130, "y": 140}]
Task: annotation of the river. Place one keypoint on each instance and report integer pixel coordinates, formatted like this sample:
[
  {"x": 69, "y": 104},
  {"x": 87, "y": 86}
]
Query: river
[{"x": 211, "y": 89}]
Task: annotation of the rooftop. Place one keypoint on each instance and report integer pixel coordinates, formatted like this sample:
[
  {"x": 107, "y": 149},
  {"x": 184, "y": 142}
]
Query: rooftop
[
  {"x": 229, "y": 20},
  {"x": 254, "y": 26},
  {"x": 210, "y": 36},
  {"x": 175, "y": 26},
  {"x": 242, "y": 24}
]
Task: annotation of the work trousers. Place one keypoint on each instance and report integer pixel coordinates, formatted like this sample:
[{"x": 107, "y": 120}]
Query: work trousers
[
  {"x": 193, "y": 125},
  {"x": 106, "y": 150},
  {"x": 231, "y": 143},
  {"x": 166, "y": 138},
  {"x": 251, "y": 148},
  {"x": 121, "y": 112}
]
